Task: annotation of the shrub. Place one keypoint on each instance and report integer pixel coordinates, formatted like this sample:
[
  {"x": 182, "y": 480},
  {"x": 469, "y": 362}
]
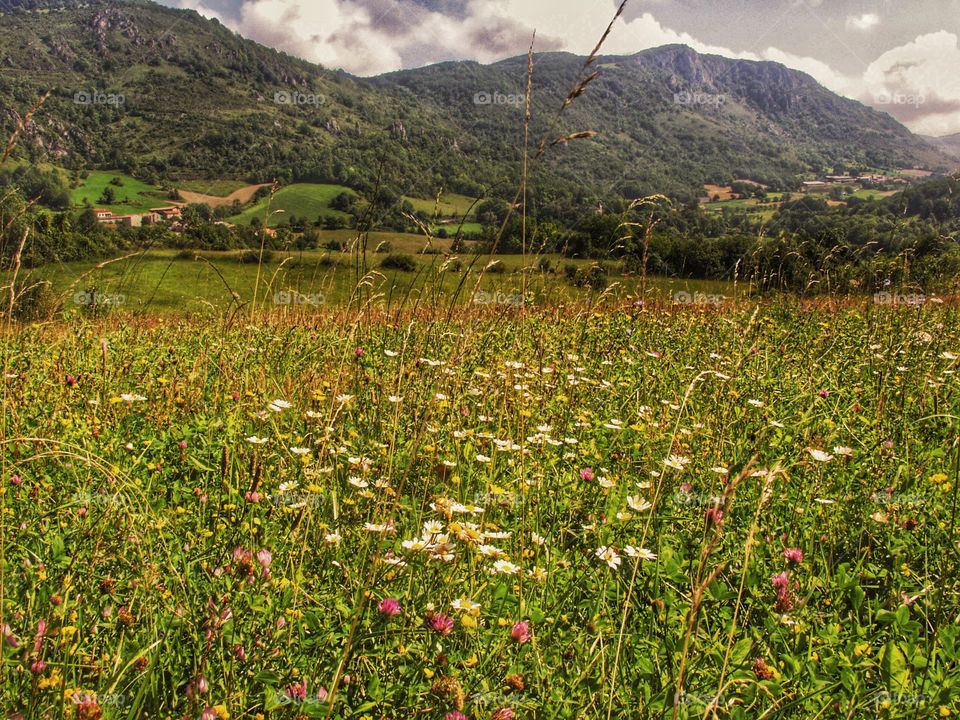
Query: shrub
[
  {"x": 399, "y": 261},
  {"x": 252, "y": 257},
  {"x": 593, "y": 277},
  {"x": 35, "y": 302}
]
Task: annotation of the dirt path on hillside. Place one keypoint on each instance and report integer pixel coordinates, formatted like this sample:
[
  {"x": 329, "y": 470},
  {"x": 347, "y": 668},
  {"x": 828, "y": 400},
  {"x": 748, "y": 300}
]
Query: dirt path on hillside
[{"x": 244, "y": 195}]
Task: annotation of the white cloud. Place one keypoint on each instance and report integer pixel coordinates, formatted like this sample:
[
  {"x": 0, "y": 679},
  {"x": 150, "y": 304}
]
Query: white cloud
[
  {"x": 864, "y": 23},
  {"x": 918, "y": 83}
]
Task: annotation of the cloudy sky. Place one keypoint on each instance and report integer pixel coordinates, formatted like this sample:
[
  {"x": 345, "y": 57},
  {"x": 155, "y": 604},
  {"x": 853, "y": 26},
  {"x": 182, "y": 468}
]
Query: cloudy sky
[{"x": 901, "y": 56}]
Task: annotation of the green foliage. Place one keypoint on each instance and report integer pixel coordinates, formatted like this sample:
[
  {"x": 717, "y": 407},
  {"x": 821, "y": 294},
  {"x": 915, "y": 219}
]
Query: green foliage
[
  {"x": 48, "y": 187},
  {"x": 399, "y": 261}
]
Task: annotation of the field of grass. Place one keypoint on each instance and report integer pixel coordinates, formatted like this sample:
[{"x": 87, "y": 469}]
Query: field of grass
[
  {"x": 873, "y": 194},
  {"x": 307, "y": 200},
  {"x": 133, "y": 196},
  {"x": 451, "y": 205},
  {"x": 468, "y": 228},
  {"x": 164, "y": 282},
  {"x": 579, "y": 511},
  {"x": 221, "y": 188}
]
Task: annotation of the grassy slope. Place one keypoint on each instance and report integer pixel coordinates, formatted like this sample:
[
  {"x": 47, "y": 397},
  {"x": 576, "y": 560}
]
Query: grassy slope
[
  {"x": 134, "y": 196},
  {"x": 301, "y": 199},
  {"x": 221, "y": 188},
  {"x": 450, "y": 204}
]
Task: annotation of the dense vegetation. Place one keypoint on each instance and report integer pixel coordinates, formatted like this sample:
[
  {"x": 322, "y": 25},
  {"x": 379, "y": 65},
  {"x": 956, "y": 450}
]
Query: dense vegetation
[
  {"x": 563, "y": 514},
  {"x": 909, "y": 238}
]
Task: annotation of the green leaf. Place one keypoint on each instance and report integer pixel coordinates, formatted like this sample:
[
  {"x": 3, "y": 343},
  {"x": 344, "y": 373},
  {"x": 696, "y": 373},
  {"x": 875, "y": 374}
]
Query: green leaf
[
  {"x": 893, "y": 667},
  {"x": 199, "y": 465},
  {"x": 740, "y": 651},
  {"x": 57, "y": 547},
  {"x": 373, "y": 686}
]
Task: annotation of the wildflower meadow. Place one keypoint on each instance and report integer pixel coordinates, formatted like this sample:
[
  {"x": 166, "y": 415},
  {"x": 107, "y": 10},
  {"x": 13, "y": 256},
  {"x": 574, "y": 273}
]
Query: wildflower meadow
[{"x": 616, "y": 511}]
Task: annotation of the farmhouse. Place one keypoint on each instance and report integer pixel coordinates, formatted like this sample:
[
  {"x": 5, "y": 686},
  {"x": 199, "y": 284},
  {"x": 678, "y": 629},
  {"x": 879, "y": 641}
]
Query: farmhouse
[
  {"x": 167, "y": 213},
  {"x": 135, "y": 219}
]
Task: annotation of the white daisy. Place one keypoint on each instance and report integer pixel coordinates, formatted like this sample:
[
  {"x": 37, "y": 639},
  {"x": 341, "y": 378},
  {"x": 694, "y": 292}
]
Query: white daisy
[
  {"x": 609, "y": 556},
  {"x": 504, "y": 567},
  {"x": 638, "y": 503},
  {"x": 820, "y": 455}
]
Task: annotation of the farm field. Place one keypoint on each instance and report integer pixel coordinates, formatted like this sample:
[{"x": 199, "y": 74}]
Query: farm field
[
  {"x": 219, "y": 188},
  {"x": 166, "y": 281},
  {"x": 451, "y": 205},
  {"x": 307, "y": 200},
  {"x": 242, "y": 195},
  {"x": 452, "y": 229},
  {"x": 581, "y": 511},
  {"x": 133, "y": 196}
]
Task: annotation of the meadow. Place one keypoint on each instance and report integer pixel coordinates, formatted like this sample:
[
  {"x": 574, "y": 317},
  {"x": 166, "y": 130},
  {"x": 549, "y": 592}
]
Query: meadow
[
  {"x": 131, "y": 196},
  {"x": 450, "y": 205},
  {"x": 303, "y": 200},
  {"x": 591, "y": 509},
  {"x": 171, "y": 281}
]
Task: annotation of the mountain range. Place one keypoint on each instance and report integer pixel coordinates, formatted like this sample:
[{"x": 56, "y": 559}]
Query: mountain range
[
  {"x": 949, "y": 144},
  {"x": 166, "y": 94}
]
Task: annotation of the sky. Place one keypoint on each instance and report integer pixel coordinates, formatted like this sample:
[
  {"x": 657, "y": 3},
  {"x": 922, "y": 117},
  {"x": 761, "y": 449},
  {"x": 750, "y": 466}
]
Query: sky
[{"x": 902, "y": 57}]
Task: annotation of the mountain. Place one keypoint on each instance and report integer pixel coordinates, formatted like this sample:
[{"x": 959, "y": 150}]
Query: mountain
[
  {"x": 166, "y": 94},
  {"x": 948, "y": 144},
  {"x": 670, "y": 118}
]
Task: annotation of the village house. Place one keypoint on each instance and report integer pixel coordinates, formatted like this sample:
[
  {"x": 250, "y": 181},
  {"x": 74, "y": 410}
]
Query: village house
[
  {"x": 171, "y": 212},
  {"x": 137, "y": 219}
]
